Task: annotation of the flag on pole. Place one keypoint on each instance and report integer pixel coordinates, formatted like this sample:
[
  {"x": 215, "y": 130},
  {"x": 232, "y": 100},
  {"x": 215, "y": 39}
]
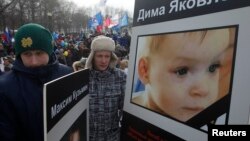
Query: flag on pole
[
  {"x": 99, "y": 28},
  {"x": 95, "y": 21},
  {"x": 107, "y": 22},
  {"x": 114, "y": 21},
  {"x": 124, "y": 20},
  {"x": 7, "y": 35},
  {"x": 99, "y": 18},
  {"x": 90, "y": 23}
]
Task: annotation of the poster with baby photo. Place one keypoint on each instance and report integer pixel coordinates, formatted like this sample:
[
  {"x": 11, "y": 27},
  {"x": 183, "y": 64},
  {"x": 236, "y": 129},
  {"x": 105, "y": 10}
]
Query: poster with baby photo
[
  {"x": 186, "y": 75},
  {"x": 66, "y": 107},
  {"x": 77, "y": 131},
  {"x": 186, "y": 66}
]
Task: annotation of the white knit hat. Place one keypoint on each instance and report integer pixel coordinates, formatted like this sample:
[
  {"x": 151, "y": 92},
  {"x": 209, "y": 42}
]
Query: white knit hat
[{"x": 101, "y": 43}]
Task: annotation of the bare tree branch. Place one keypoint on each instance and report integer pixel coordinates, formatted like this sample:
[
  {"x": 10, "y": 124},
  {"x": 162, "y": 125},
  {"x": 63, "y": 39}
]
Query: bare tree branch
[{"x": 5, "y": 6}]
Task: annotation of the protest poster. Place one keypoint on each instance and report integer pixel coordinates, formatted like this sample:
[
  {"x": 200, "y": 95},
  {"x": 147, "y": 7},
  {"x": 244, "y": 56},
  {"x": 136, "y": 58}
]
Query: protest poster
[
  {"x": 66, "y": 107},
  {"x": 179, "y": 100}
]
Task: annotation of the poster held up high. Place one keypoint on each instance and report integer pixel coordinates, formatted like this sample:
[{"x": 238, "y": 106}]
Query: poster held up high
[{"x": 188, "y": 63}]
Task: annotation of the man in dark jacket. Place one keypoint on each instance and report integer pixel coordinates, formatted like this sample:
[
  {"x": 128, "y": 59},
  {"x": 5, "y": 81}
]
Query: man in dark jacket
[{"x": 21, "y": 89}]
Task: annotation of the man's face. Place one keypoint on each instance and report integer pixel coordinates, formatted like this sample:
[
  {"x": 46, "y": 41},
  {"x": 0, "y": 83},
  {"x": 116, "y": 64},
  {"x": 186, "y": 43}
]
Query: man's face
[
  {"x": 102, "y": 60},
  {"x": 34, "y": 58},
  {"x": 6, "y": 62}
]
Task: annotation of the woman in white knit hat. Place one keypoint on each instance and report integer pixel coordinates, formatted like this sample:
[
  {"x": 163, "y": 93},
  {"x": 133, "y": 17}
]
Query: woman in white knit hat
[{"x": 106, "y": 91}]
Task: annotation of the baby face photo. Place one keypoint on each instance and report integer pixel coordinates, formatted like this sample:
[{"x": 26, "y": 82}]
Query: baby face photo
[{"x": 181, "y": 74}]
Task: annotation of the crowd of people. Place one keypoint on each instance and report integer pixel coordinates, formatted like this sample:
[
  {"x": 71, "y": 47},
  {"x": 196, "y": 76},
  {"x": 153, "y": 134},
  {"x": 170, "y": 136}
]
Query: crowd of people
[
  {"x": 70, "y": 49},
  {"x": 38, "y": 57}
]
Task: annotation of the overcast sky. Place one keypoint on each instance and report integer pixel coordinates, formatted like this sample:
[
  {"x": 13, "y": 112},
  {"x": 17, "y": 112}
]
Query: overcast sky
[{"x": 124, "y": 4}]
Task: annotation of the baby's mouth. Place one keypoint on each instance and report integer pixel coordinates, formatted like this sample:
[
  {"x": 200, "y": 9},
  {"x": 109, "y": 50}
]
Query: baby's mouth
[{"x": 194, "y": 109}]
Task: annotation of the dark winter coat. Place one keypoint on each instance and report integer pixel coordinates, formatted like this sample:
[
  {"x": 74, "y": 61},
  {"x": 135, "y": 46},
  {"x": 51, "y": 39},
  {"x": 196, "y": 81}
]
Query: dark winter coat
[{"x": 21, "y": 100}]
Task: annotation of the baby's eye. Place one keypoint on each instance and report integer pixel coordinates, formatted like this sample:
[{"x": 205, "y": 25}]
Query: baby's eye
[
  {"x": 181, "y": 71},
  {"x": 213, "y": 67}
]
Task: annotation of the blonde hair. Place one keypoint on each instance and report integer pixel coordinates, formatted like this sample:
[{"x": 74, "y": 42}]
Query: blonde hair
[{"x": 153, "y": 43}]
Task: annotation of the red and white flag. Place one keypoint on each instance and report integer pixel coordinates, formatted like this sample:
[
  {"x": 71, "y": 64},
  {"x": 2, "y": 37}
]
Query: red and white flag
[{"x": 114, "y": 21}]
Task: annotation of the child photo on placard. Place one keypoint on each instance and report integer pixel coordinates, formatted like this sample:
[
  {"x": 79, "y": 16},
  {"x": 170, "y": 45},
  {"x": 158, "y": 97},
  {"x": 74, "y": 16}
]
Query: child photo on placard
[
  {"x": 78, "y": 130},
  {"x": 182, "y": 75}
]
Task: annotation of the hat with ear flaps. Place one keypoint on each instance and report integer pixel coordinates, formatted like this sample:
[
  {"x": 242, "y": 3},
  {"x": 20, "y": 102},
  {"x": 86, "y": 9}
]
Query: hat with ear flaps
[
  {"x": 102, "y": 43},
  {"x": 33, "y": 37}
]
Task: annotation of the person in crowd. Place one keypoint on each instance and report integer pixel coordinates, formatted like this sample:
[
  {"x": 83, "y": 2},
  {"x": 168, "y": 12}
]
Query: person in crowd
[
  {"x": 78, "y": 65},
  {"x": 182, "y": 72},
  {"x": 7, "y": 62},
  {"x": 21, "y": 89},
  {"x": 60, "y": 56},
  {"x": 124, "y": 65},
  {"x": 83, "y": 51},
  {"x": 69, "y": 57},
  {"x": 1, "y": 64},
  {"x": 3, "y": 52},
  {"x": 106, "y": 91}
]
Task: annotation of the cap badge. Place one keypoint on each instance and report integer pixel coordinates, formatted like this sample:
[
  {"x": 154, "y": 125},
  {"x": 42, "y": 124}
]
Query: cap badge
[{"x": 26, "y": 42}]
